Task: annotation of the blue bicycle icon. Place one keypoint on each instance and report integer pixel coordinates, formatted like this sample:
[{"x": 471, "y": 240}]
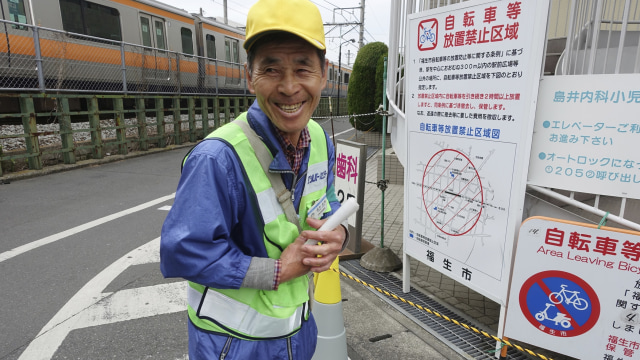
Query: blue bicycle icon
[{"x": 428, "y": 35}]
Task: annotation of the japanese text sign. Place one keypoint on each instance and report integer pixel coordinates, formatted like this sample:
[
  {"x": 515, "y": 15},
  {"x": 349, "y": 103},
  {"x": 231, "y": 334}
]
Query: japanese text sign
[
  {"x": 472, "y": 76},
  {"x": 585, "y": 135},
  {"x": 576, "y": 289}
]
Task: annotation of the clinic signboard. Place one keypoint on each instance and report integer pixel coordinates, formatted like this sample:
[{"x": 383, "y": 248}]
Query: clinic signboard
[
  {"x": 576, "y": 289},
  {"x": 472, "y": 75},
  {"x": 351, "y": 164},
  {"x": 585, "y": 135}
]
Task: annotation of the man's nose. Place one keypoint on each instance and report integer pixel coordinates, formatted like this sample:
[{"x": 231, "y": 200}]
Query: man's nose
[{"x": 289, "y": 84}]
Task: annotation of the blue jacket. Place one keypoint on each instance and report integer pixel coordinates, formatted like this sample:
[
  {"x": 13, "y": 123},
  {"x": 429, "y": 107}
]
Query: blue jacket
[{"x": 213, "y": 230}]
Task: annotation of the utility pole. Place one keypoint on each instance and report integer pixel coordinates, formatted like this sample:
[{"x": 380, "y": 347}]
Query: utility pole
[
  {"x": 360, "y": 23},
  {"x": 226, "y": 19},
  {"x": 361, "y": 43}
]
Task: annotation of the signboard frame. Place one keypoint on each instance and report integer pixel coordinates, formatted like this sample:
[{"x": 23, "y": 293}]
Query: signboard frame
[
  {"x": 569, "y": 291},
  {"x": 425, "y": 106},
  {"x": 345, "y": 187}
]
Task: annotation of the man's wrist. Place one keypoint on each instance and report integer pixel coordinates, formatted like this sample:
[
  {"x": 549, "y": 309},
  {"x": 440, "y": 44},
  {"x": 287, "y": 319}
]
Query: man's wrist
[{"x": 277, "y": 274}]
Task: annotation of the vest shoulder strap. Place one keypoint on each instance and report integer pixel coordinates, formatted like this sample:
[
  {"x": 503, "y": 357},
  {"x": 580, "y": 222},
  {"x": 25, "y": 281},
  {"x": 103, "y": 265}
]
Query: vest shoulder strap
[{"x": 282, "y": 194}]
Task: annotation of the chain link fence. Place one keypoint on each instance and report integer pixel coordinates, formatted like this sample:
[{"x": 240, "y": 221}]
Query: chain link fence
[{"x": 48, "y": 60}]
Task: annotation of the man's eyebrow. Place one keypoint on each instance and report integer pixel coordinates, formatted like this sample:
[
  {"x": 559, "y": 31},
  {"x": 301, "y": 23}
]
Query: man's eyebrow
[
  {"x": 270, "y": 60},
  {"x": 301, "y": 60}
]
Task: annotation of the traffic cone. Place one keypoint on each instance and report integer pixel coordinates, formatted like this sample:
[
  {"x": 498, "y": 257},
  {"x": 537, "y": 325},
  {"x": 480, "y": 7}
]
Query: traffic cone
[{"x": 327, "y": 311}]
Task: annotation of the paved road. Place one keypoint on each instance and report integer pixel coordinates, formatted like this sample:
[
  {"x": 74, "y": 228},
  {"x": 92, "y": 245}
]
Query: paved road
[{"x": 80, "y": 267}]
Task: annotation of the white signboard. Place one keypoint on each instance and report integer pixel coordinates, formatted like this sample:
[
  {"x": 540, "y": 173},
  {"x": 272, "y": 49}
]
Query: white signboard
[
  {"x": 472, "y": 76},
  {"x": 576, "y": 290},
  {"x": 586, "y": 135},
  {"x": 349, "y": 161}
]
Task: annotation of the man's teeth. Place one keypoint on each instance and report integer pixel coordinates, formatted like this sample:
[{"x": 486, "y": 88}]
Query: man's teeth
[{"x": 290, "y": 108}]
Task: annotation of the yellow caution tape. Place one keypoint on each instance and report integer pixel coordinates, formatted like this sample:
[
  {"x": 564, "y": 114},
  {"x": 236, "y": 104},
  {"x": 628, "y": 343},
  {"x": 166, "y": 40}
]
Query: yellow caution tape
[{"x": 486, "y": 334}]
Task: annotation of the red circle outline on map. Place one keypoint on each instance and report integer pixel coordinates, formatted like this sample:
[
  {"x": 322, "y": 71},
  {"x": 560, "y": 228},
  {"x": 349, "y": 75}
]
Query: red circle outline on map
[
  {"x": 479, "y": 182},
  {"x": 593, "y": 297}
]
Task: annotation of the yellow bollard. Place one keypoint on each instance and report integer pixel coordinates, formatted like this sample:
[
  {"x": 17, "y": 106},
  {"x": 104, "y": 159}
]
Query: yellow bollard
[{"x": 327, "y": 311}]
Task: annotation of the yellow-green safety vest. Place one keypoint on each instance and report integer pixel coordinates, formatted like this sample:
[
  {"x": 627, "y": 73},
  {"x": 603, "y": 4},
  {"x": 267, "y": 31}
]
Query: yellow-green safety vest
[{"x": 255, "y": 314}]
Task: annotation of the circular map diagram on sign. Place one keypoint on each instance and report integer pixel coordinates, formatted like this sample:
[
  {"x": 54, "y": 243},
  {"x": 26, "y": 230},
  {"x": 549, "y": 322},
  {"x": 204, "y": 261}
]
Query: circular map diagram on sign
[{"x": 452, "y": 192}]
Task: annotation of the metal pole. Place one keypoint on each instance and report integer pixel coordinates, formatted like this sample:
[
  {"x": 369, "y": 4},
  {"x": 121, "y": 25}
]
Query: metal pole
[
  {"x": 36, "y": 45},
  {"x": 384, "y": 147},
  {"x": 124, "y": 67},
  {"x": 339, "y": 77}
]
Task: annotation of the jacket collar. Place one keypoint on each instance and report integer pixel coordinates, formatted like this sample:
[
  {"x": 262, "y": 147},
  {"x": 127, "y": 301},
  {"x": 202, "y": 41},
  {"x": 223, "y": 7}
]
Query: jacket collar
[{"x": 261, "y": 124}]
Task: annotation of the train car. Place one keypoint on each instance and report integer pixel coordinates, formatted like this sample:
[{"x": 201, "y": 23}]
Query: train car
[
  {"x": 337, "y": 80},
  {"x": 130, "y": 46}
]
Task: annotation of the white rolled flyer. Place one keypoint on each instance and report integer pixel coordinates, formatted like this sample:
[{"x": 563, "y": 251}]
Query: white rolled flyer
[{"x": 347, "y": 209}]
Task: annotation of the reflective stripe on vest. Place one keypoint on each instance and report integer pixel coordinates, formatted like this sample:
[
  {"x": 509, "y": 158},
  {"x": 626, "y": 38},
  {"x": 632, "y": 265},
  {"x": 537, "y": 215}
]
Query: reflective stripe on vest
[
  {"x": 258, "y": 314},
  {"x": 242, "y": 318}
]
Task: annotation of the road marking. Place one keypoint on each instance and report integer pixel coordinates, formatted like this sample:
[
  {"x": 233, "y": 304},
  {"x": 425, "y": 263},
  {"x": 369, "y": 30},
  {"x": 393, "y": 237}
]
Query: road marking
[
  {"x": 344, "y": 132},
  {"x": 61, "y": 235},
  {"x": 165, "y": 208},
  {"x": 90, "y": 306}
]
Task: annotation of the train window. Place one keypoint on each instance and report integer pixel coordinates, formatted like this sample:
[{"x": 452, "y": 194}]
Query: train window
[
  {"x": 17, "y": 13},
  {"x": 231, "y": 50},
  {"x": 84, "y": 17},
  {"x": 346, "y": 78},
  {"x": 160, "y": 37},
  {"x": 211, "y": 46},
  {"x": 145, "y": 27},
  {"x": 187, "y": 41},
  {"x": 236, "y": 53}
]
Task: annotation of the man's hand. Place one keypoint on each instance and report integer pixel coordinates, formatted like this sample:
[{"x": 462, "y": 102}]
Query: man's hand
[
  {"x": 291, "y": 260},
  {"x": 322, "y": 255},
  {"x": 298, "y": 259}
]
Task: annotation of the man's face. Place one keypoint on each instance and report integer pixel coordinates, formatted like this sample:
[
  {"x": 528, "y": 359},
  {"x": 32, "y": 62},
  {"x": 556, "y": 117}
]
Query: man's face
[{"x": 287, "y": 79}]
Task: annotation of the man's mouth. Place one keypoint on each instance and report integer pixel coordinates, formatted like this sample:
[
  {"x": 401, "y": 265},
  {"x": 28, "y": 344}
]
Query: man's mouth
[{"x": 290, "y": 108}]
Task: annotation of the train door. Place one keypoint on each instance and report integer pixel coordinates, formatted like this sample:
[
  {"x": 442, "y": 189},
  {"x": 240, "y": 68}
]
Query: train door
[
  {"x": 232, "y": 57},
  {"x": 16, "y": 11},
  {"x": 155, "y": 61}
]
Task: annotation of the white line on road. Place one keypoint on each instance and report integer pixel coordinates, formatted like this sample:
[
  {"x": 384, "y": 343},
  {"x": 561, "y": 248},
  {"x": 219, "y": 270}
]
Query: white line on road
[
  {"x": 90, "y": 306},
  {"x": 61, "y": 235}
]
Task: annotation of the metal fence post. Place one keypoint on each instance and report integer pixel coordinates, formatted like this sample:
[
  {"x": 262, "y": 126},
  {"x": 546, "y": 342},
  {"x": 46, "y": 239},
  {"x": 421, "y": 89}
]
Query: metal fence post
[
  {"x": 30, "y": 129},
  {"x": 227, "y": 110},
  {"x": 96, "y": 131},
  {"x": 36, "y": 45},
  {"x": 191, "y": 110},
  {"x": 216, "y": 112},
  {"x": 66, "y": 132},
  {"x": 121, "y": 126},
  {"x": 124, "y": 68},
  {"x": 236, "y": 107},
  {"x": 177, "y": 124},
  {"x": 204, "y": 103},
  {"x": 141, "y": 114},
  {"x": 162, "y": 142}
]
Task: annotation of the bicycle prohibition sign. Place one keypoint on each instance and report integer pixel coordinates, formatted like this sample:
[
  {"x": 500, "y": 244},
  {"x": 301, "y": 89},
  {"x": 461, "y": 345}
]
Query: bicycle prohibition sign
[{"x": 559, "y": 303}]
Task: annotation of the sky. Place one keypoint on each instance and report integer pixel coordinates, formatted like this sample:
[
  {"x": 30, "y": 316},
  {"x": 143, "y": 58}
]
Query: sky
[{"x": 376, "y": 20}]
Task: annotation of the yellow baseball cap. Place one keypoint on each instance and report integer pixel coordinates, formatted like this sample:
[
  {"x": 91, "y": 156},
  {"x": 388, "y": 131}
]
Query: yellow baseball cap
[{"x": 299, "y": 17}]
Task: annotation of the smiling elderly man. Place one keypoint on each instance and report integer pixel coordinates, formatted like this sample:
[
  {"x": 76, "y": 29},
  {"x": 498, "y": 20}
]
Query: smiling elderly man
[{"x": 236, "y": 232}]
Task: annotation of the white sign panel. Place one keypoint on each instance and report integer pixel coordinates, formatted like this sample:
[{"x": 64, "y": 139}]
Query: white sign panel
[
  {"x": 576, "y": 290},
  {"x": 348, "y": 163},
  {"x": 472, "y": 75},
  {"x": 586, "y": 135}
]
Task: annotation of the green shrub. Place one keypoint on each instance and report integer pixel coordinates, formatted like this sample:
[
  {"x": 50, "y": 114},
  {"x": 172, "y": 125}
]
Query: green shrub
[{"x": 365, "y": 86}]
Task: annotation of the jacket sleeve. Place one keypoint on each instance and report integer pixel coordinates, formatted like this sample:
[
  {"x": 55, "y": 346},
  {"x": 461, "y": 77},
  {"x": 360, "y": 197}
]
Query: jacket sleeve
[{"x": 196, "y": 241}]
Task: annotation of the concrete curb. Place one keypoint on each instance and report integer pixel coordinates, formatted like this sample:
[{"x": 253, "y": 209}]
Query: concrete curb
[{"x": 47, "y": 170}]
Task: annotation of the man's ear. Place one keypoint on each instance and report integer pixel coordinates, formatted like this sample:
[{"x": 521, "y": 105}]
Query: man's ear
[
  {"x": 247, "y": 74},
  {"x": 325, "y": 73}
]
